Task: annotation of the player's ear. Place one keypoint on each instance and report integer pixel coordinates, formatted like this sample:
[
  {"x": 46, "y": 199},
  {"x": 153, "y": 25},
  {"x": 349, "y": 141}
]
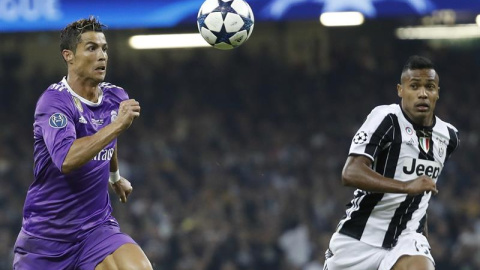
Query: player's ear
[
  {"x": 67, "y": 55},
  {"x": 399, "y": 90}
]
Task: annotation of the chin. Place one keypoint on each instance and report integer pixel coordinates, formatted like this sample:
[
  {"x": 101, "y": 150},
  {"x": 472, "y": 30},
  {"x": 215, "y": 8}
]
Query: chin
[{"x": 99, "y": 79}]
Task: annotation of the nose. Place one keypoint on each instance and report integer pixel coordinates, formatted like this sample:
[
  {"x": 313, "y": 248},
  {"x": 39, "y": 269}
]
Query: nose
[
  {"x": 422, "y": 93},
  {"x": 102, "y": 55}
]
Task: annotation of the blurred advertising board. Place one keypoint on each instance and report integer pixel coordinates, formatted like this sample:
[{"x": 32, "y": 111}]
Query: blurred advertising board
[{"x": 44, "y": 15}]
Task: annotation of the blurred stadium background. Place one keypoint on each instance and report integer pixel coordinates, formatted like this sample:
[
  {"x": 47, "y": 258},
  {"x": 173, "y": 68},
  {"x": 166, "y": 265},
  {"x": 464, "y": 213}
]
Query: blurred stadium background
[{"x": 237, "y": 157}]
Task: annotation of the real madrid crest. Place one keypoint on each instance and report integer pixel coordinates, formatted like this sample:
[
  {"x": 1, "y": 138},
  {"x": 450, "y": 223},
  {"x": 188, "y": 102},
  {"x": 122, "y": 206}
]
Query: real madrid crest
[{"x": 113, "y": 115}]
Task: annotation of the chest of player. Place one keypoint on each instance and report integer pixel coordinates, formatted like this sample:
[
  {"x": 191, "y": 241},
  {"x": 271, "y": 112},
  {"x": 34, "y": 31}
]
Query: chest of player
[
  {"x": 90, "y": 119},
  {"x": 430, "y": 145},
  {"x": 421, "y": 153}
]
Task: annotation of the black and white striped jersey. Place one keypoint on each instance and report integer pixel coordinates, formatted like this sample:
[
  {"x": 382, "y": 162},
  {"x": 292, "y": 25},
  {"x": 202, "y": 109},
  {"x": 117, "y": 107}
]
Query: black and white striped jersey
[{"x": 402, "y": 150}]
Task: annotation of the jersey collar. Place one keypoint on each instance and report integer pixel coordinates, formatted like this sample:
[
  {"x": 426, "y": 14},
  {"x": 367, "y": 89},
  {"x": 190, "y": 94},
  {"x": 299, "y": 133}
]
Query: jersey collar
[
  {"x": 415, "y": 125},
  {"x": 83, "y": 100}
]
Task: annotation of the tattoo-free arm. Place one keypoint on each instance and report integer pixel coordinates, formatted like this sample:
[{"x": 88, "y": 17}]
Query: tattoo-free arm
[
  {"x": 85, "y": 148},
  {"x": 358, "y": 173}
]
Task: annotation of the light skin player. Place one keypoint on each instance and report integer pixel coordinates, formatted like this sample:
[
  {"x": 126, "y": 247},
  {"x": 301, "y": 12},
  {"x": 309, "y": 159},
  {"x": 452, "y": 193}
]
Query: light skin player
[
  {"x": 86, "y": 57},
  {"x": 84, "y": 77}
]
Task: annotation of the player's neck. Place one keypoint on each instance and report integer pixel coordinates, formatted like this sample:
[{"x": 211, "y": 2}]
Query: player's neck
[
  {"x": 426, "y": 121},
  {"x": 84, "y": 87}
]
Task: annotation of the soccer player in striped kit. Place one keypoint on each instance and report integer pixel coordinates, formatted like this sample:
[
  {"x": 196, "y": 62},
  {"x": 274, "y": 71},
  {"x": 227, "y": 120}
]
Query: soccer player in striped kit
[
  {"x": 67, "y": 222},
  {"x": 394, "y": 161}
]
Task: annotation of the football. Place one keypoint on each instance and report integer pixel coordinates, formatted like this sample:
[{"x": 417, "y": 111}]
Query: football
[{"x": 225, "y": 24}]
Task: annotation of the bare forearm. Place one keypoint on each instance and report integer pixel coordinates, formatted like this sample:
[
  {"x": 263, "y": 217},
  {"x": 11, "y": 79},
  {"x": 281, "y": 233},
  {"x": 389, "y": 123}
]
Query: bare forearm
[
  {"x": 84, "y": 149},
  {"x": 360, "y": 175}
]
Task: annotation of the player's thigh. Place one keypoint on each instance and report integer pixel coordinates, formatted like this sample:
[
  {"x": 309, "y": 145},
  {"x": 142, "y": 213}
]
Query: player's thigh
[
  {"x": 413, "y": 263},
  {"x": 127, "y": 257},
  {"x": 412, "y": 252},
  {"x": 347, "y": 253}
]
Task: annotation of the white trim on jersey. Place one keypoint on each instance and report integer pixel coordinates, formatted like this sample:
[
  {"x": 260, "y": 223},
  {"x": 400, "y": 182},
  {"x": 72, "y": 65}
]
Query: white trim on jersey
[{"x": 83, "y": 100}]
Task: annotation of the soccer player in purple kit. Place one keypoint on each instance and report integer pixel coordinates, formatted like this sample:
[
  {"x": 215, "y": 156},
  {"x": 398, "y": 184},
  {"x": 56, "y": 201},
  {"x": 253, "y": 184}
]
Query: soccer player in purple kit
[{"x": 67, "y": 222}]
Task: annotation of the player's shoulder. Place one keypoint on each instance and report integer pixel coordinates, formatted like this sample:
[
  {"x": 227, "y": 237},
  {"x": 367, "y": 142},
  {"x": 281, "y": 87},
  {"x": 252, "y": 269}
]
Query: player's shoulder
[
  {"x": 57, "y": 87},
  {"x": 111, "y": 89},
  {"x": 55, "y": 97},
  {"x": 386, "y": 109},
  {"x": 444, "y": 123},
  {"x": 382, "y": 111},
  {"x": 54, "y": 92}
]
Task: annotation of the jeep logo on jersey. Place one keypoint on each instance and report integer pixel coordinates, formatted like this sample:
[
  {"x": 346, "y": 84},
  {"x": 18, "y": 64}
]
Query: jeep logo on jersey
[
  {"x": 57, "y": 120},
  {"x": 419, "y": 167}
]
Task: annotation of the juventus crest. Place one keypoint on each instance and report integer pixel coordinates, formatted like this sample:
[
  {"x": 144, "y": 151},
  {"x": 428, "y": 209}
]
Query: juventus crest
[{"x": 424, "y": 139}]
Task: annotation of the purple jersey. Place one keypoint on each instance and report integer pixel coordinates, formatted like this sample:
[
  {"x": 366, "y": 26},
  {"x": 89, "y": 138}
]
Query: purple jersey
[{"x": 66, "y": 207}]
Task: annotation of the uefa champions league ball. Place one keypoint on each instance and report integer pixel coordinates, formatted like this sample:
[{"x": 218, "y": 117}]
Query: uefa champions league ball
[{"x": 225, "y": 24}]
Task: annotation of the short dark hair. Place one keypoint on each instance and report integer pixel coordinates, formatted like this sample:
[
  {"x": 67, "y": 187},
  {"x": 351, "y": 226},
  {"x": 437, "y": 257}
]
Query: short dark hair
[
  {"x": 70, "y": 35},
  {"x": 418, "y": 62}
]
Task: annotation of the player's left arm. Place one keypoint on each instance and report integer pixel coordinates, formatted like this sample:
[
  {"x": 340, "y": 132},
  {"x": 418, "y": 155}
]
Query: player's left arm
[{"x": 120, "y": 185}]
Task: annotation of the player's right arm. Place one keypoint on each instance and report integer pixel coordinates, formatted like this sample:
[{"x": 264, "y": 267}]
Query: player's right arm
[
  {"x": 377, "y": 133},
  {"x": 358, "y": 173},
  {"x": 84, "y": 149}
]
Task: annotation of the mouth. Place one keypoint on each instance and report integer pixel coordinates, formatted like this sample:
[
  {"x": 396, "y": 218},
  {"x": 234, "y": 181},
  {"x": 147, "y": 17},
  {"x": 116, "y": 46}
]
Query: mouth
[
  {"x": 101, "y": 68},
  {"x": 423, "y": 107}
]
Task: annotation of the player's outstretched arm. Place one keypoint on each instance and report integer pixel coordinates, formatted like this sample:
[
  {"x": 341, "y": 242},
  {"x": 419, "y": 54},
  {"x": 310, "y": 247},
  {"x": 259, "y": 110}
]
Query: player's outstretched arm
[
  {"x": 358, "y": 173},
  {"x": 85, "y": 148}
]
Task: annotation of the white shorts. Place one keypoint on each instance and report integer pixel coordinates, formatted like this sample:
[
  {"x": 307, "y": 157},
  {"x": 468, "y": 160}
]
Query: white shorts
[{"x": 347, "y": 253}]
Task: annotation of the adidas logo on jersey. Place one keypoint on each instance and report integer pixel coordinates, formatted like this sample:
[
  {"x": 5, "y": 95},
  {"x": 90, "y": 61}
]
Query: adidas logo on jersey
[
  {"x": 419, "y": 167},
  {"x": 82, "y": 119}
]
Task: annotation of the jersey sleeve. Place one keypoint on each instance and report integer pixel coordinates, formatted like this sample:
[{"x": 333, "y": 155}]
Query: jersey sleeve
[
  {"x": 374, "y": 134},
  {"x": 122, "y": 94},
  {"x": 54, "y": 120},
  {"x": 115, "y": 93},
  {"x": 454, "y": 141}
]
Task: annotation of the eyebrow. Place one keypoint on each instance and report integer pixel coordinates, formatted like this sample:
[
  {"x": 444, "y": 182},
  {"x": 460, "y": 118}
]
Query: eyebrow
[
  {"x": 94, "y": 43},
  {"x": 417, "y": 80}
]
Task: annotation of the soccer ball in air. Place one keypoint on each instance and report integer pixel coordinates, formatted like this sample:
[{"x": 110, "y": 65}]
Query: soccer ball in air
[{"x": 225, "y": 24}]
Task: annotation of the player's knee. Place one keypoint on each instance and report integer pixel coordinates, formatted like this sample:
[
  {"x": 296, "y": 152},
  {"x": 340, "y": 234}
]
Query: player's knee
[{"x": 146, "y": 265}]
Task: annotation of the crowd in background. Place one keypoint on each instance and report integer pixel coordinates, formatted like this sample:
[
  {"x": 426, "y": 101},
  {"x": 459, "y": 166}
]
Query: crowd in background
[{"x": 236, "y": 162}]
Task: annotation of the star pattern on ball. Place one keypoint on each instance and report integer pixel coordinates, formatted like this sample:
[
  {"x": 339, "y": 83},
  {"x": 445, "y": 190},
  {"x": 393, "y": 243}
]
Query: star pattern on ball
[
  {"x": 360, "y": 137},
  {"x": 225, "y": 8}
]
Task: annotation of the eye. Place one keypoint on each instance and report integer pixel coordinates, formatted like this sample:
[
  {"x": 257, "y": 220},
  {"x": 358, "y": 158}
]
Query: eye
[
  {"x": 413, "y": 86},
  {"x": 90, "y": 48}
]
